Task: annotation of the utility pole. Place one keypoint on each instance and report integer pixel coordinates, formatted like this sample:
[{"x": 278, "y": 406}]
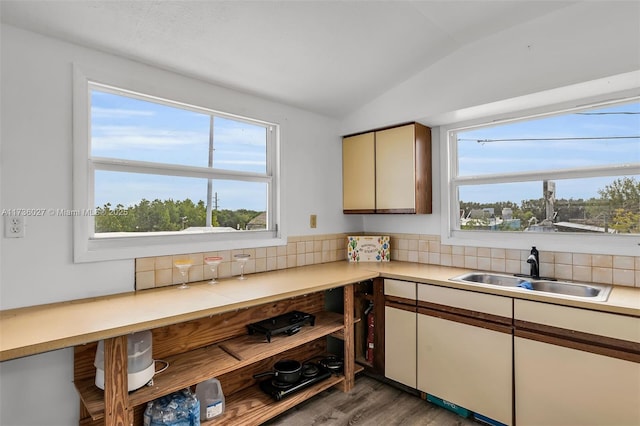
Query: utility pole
[
  {"x": 210, "y": 181},
  {"x": 215, "y": 201},
  {"x": 549, "y": 193}
]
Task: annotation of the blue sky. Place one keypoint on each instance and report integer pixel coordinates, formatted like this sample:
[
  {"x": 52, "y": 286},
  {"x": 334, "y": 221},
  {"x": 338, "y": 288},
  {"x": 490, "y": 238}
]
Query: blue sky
[
  {"x": 128, "y": 128},
  {"x": 132, "y": 129},
  {"x": 501, "y": 154}
]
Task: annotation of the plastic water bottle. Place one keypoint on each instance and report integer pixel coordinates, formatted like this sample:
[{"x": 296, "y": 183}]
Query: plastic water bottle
[{"x": 211, "y": 398}]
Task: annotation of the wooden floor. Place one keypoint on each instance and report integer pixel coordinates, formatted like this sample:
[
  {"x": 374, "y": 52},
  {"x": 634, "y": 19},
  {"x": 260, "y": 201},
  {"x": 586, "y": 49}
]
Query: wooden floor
[{"x": 370, "y": 403}]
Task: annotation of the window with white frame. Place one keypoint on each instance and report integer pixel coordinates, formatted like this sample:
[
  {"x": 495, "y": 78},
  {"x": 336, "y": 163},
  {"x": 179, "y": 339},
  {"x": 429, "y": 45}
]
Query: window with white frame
[
  {"x": 161, "y": 172},
  {"x": 573, "y": 172}
]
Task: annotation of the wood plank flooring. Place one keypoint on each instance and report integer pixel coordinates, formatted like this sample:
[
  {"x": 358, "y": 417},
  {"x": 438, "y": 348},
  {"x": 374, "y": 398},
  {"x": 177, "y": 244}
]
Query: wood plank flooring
[{"x": 370, "y": 403}]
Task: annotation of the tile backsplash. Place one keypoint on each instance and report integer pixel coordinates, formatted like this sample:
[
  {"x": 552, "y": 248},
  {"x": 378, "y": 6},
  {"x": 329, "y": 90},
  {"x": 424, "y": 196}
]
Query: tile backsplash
[
  {"x": 300, "y": 251},
  {"x": 312, "y": 249}
]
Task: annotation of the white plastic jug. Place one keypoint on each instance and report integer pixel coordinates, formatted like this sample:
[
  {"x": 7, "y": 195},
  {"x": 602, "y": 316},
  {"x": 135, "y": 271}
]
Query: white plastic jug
[{"x": 211, "y": 398}]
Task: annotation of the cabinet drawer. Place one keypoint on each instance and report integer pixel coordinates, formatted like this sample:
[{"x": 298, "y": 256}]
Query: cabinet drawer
[
  {"x": 592, "y": 322},
  {"x": 397, "y": 288},
  {"x": 469, "y": 300}
]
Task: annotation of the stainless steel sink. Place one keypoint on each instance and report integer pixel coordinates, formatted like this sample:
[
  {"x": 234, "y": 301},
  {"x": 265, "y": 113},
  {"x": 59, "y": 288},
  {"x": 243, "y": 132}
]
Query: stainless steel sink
[
  {"x": 493, "y": 279},
  {"x": 594, "y": 292}
]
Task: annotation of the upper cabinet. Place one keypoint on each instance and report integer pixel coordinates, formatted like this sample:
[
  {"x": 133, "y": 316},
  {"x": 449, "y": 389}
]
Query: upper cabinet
[
  {"x": 359, "y": 174},
  {"x": 388, "y": 171}
]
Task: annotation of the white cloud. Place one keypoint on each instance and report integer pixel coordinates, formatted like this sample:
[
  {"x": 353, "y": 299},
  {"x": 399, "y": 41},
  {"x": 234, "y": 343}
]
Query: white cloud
[
  {"x": 99, "y": 112},
  {"x": 113, "y": 137}
]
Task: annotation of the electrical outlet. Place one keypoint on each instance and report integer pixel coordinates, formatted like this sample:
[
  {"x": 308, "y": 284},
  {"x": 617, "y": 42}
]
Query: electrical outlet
[
  {"x": 313, "y": 221},
  {"x": 14, "y": 226}
]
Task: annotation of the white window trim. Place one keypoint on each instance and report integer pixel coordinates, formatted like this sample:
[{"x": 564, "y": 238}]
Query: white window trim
[
  {"x": 626, "y": 245},
  {"x": 88, "y": 249}
]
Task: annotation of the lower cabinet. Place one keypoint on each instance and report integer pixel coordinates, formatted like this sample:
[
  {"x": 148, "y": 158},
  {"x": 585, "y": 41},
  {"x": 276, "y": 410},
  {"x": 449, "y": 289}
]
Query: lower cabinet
[
  {"x": 513, "y": 361},
  {"x": 400, "y": 331},
  {"x": 575, "y": 366},
  {"x": 465, "y": 350},
  {"x": 557, "y": 385},
  {"x": 400, "y": 345},
  {"x": 467, "y": 365}
]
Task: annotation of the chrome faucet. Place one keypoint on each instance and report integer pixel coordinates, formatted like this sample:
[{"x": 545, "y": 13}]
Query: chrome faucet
[{"x": 534, "y": 261}]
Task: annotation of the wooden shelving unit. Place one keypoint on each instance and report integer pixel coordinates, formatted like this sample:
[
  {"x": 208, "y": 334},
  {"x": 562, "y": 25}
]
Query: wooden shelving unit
[
  {"x": 223, "y": 350},
  {"x": 196, "y": 366}
]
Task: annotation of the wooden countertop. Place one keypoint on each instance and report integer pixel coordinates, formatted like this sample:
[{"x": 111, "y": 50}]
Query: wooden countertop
[{"x": 37, "y": 329}]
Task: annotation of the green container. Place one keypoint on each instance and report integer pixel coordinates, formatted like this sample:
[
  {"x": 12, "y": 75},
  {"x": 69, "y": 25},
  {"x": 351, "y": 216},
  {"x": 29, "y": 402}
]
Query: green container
[{"x": 462, "y": 412}]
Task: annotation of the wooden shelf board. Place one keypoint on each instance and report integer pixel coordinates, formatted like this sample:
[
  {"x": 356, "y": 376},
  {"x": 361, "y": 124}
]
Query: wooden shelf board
[
  {"x": 340, "y": 333},
  {"x": 253, "y": 407},
  {"x": 363, "y": 361},
  {"x": 358, "y": 368},
  {"x": 201, "y": 364}
]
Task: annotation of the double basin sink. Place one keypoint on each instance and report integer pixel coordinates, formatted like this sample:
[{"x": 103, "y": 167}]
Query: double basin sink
[{"x": 593, "y": 292}]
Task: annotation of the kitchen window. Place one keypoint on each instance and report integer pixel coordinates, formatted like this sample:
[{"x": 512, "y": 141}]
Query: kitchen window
[
  {"x": 557, "y": 176},
  {"x": 156, "y": 174}
]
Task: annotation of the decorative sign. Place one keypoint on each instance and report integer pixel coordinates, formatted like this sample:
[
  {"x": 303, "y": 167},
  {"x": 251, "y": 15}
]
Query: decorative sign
[{"x": 369, "y": 249}]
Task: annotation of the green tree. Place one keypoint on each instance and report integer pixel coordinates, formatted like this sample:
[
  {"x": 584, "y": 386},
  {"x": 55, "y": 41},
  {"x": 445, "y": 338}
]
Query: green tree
[
  {"x": 106, "y": 221},
  {"x": 623, "y": 193},
  {"x": 620, "y": 203},
  {"x": 167, "y": 215}
]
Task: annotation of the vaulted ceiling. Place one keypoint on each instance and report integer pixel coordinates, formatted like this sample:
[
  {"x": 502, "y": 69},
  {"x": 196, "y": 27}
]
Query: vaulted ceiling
[{"x": 330, "y": 57}]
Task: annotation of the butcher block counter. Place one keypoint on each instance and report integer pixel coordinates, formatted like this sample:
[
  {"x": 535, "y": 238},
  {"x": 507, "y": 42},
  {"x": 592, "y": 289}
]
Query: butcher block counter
[{"x": 37, "y": 329}]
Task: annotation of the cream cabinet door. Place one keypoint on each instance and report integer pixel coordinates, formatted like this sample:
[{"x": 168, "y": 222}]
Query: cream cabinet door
[
  {"x": 396, "y": 169},
  {"x": 358, "y": 173},
  {"x": 466, "y": 365},
  {"x": 555, "y": 385},
  {"x": 400, "y": 346}
]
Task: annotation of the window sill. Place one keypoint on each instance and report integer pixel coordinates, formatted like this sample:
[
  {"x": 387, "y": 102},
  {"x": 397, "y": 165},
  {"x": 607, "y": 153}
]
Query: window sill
[
  {"x": 624, "y": 245},
  {"x": 117, "y": 248}
]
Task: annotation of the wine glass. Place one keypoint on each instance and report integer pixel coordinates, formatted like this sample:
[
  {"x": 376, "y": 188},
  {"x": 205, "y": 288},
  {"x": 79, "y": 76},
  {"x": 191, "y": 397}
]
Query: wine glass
[
  {"x": 242, "y": 260},
  {"x": 213, "y": 262},
  {"x": 183, "y": 266}
]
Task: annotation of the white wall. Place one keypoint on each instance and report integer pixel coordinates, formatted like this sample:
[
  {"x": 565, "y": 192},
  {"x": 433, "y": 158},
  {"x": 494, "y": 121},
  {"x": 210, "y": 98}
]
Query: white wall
[
  {"x": 36, "y": 172},
  {"x": 580, "y": 43}
]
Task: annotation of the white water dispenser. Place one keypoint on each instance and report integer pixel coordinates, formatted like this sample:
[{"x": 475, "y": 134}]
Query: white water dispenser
[{"x": 140, "y": 364}]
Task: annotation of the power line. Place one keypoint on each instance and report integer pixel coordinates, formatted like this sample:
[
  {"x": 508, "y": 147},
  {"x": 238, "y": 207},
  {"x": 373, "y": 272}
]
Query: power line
[
  {"x": 608, "y": 113},
  {"x": 549, "y": 139}
]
